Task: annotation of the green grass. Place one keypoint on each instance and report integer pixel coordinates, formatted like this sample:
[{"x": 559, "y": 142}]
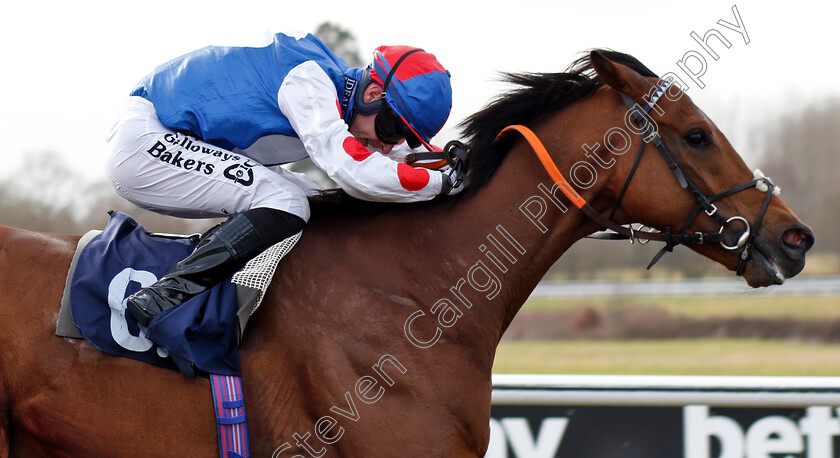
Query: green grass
[
  {"x": 669, "y": 357},
  {"x": 708, "y": 307},
  {"x": 682, "y": 356}
]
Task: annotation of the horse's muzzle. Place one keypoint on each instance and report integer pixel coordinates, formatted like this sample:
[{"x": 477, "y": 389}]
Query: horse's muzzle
[{"x": 773, "y": 261}]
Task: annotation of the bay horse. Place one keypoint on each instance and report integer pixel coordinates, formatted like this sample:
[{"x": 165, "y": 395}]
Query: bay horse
[{"x": 378, "y": 333}]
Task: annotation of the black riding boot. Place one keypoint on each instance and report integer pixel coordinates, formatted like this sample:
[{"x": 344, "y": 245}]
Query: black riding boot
[{"x": 233, "y": 244}]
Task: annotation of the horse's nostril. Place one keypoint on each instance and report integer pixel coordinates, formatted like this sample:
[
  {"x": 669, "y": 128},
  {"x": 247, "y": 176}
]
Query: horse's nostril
[
  {"x": 793, "y": 237},
  {"x": 797, "y": 238}
]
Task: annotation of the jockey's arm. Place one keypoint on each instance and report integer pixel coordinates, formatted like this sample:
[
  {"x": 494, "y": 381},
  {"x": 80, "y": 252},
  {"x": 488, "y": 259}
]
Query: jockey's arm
[{"x": 308, "y": 99}]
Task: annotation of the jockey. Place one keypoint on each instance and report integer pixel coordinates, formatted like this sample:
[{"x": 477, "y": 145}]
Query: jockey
[{"x": 204, "y": 134}]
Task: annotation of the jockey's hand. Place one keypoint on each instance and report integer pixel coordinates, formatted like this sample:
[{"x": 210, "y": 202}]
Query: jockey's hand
[
  {"x": 456, "y": 158},
  {"x": 453, "y": 182}
]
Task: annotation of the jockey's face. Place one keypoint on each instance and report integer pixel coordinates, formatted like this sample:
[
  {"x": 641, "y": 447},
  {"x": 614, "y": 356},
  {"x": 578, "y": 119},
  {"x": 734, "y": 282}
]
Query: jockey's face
[{"x": 363, "y": 127}]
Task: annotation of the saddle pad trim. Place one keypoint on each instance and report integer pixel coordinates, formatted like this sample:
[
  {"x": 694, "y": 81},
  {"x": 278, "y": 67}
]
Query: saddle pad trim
[{"x": 65, "y": 327}]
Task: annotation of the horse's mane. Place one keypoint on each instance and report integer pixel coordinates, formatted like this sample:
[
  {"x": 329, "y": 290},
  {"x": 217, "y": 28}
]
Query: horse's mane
[{"x": 534, "y": 96}]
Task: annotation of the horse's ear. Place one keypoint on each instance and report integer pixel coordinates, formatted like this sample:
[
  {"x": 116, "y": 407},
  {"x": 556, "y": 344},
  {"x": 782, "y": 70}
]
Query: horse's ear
[{"x": 618, "y": 76}]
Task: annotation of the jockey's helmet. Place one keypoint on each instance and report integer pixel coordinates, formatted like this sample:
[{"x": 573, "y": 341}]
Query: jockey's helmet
[{"x": 418, "y": 94}]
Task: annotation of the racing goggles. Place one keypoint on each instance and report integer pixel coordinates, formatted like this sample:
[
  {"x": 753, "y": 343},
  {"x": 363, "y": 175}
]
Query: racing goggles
[{"x": 390, "y": 129}]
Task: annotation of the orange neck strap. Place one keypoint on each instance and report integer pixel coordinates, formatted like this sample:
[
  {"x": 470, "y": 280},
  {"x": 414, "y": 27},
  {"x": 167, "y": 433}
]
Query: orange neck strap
[{"x": 547, "y": 162}]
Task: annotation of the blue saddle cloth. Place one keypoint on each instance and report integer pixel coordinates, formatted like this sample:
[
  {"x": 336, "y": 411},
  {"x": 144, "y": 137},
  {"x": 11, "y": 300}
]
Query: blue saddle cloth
[{"x": 120, "y": 260}]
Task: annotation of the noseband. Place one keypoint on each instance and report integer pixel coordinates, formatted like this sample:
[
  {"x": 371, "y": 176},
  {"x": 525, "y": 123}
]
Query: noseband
[{"x": 704, "y": 203}]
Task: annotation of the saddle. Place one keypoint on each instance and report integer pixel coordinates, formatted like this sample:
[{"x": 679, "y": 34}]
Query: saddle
[{"x": 110, "y": 265}]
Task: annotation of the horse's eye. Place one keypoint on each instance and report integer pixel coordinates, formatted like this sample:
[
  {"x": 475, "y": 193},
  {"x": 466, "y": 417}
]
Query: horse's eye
[{"x": 698, "y": 139}]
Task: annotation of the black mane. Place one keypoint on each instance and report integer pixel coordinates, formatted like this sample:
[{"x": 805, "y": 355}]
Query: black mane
[{"x": 537, "y": 94}]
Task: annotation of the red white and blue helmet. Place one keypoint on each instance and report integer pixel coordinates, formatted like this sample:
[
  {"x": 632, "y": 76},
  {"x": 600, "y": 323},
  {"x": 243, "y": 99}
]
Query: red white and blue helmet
[{"x": 416, "y": 86}]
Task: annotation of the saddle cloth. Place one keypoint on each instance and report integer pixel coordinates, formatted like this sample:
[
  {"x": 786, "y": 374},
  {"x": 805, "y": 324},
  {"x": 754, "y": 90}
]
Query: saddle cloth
[{"x": 110, "y": 265}]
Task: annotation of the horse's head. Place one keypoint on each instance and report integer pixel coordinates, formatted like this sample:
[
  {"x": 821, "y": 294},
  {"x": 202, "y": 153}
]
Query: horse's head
[{"x": 658, "y": 196}]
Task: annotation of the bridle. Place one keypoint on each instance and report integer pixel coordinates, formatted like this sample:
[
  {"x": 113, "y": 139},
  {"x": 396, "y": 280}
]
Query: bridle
[{"x": 705, "y": 203}]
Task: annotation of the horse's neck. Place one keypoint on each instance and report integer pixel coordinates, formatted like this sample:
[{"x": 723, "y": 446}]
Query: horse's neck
[{"x": 503, "y": 241}]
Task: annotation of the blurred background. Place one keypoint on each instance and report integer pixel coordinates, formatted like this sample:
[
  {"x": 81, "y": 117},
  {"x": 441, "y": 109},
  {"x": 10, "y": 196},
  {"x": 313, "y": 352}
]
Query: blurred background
[{"x": 67, "y": 66}]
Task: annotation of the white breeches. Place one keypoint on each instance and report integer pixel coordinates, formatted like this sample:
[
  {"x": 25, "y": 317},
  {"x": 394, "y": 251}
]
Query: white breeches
[{"x": 176, "y": 174}]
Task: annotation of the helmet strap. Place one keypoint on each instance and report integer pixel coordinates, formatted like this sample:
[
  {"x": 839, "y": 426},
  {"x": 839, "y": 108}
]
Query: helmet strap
[{"x": 394, "y": 68}]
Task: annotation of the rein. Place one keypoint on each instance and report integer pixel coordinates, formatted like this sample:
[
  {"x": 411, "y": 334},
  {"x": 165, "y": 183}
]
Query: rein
[
  {"x": 453, "y": 155},
  {"x": 670, "y": 237}
]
